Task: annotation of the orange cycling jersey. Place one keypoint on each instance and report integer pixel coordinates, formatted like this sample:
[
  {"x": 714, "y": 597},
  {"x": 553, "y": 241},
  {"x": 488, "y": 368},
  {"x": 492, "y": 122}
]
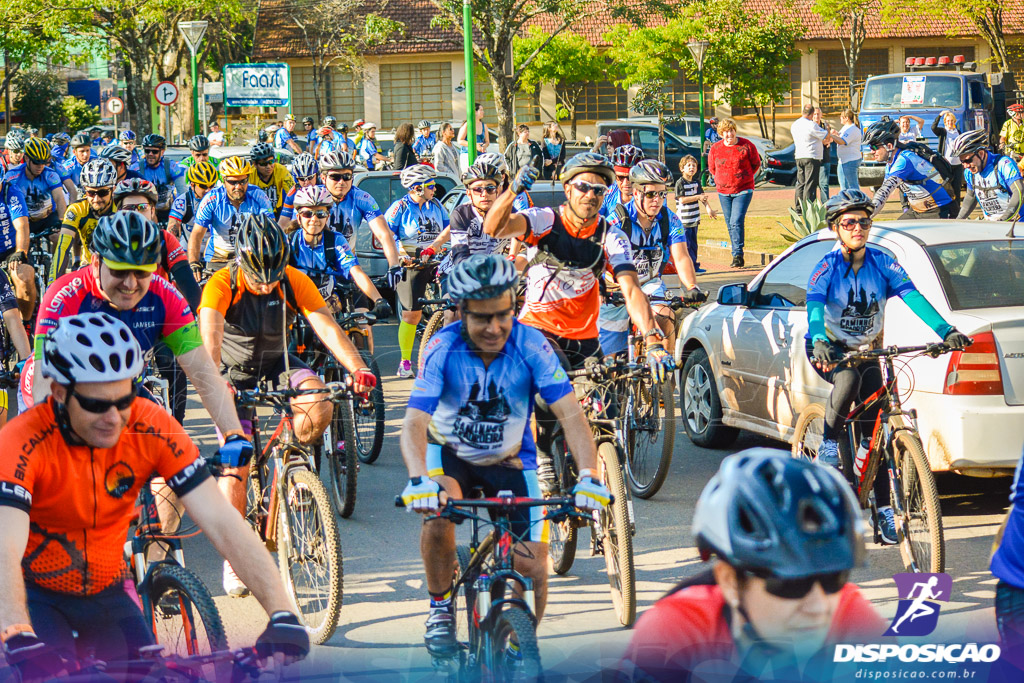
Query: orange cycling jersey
[{"x": 80, "y": 500}]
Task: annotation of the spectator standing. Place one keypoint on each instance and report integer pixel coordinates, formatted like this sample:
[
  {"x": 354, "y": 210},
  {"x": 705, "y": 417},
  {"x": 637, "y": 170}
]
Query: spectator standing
[
  {"x": 808, "y": 152},
  {"x": 523, "y": 152},
  {"x": 483, "y": 133},
  {"x": 689, "y": 196},
  {"x": 404, "y": 155},
  {"x": 554, "y": 151},
  {"x": 446, "y": 155},
  {"x": 733, "y": 162},
  {"x": 945, "y": 128},
  {"x": 910, "y": 127},
  {"x": 826, "y": 155}
]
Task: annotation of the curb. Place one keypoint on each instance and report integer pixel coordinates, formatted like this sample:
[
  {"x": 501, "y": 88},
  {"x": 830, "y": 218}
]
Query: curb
[{"x": 724, "y": 255}]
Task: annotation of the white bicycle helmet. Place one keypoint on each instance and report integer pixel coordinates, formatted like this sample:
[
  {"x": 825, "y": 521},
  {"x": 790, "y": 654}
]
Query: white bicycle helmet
[
  {"x": 304, "y": 166},
  {"x": 98, "y": 173},
  {"x": 115, "y": 153},
  {"x": 417, "y": 175},
  {"x": 337, "y": 161},
  {"x": 494, "y": 159},
  {"x": 314, "y": 195},
  {"x": 482, "y": 277},
  {"x": 969, "y": 142},
  {"x": 91, "y": 347}
]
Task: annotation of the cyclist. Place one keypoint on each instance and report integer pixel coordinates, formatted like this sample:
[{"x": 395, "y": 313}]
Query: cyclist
[
  {"x": 15, "y": 327},
  {"x": 315, "y": 247},
  {"x": 846, "y": 297},
  {"x": 244, "y": 318},
  {"x": 128, "y": 140},
  {"x": 201, "y": 177},
  {"x": 623, "y": 159},
  {"x": 98, "y": 179},
  {"x": 1011, "y": 137},
  {"x": 367, "y": 149},
  {"x": 268, "y": 175},
  {"x": 785, "y": 534},
  {"x": 927, "y": 193},
  {"x": 343, "y": 144},
  {"x": 424, "y": 143},
  {"x": 65, "y": 524},
  {"x": 991, "y": 179},
  {"x": 41, "y": 186},
  {"x": 447, "y": 452},
  {"x": 325, "y": 142},
  {"x": 306, "y": 172},
  {"x": 221, "y": 212},
  {"x": 14, "y": 148},
  {"x": 653, "y": 230},
  {"x": 81, "y": 152},
  {"x": 121, "y": 159},
  {"x": 59, "y": 146},
  {"x": 199, "y": 150},
  {"x": 420, "y": 224},
  {"x": 307, "y": 125},
  {"x": 15, "y": 244},
  {"x": 161, "y": 172},
  {"x": 285, "y": 137},
  {"x": 483, "y": 183}
]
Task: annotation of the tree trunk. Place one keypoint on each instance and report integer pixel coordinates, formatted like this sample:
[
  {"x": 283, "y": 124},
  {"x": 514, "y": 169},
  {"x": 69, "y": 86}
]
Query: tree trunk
[
  {"x": 572, "y": 115},
  {"x": 661, "y": 136},
  {"x": 137, "y": 94},
  {"x": 773, "y": 124},
  {"x": 990, "y": 26},
  {"x": 506, "y": 106}
]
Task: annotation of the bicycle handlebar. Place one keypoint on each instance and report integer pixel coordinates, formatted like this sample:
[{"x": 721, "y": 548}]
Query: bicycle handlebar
[
  {"x": 249, "y": 397},
  {"x": 934, "y": 350},
  {"x": 607, "y": 368}
]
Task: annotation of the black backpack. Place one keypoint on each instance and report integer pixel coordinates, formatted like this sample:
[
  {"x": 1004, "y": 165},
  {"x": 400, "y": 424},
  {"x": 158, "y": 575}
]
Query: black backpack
[
  {"x": 939, "y": 162},
  {"x": 627, "y": 224}
]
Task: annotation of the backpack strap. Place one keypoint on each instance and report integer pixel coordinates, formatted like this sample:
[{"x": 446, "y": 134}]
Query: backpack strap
[
  {"x": 289, "y": 295},
  {"x": 625, "y": 222},
  {"x": 167, "y": 170},
  {"x": 330, "y": 249}
]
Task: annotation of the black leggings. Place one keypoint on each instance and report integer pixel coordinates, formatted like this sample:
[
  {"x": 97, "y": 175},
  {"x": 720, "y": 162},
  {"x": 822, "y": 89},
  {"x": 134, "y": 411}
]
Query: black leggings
[
  {"x": 572, "y": 354},
  {"x": 850, "y": 382},
  {"x": 413, "y": 286}
]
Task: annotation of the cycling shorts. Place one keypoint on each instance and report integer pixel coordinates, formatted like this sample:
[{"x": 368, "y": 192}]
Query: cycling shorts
[
  {"x": 573, "y": 353},
  {"x": 613, "y": 320},
  {"x": 51, "y": 222},
  {"x": 527, "y": 523},
  {"x": 413, "y": 286},
  {"x": 295, "y": 374}
]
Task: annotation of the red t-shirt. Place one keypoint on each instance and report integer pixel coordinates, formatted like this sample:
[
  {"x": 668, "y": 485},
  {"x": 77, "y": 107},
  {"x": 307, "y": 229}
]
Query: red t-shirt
[{"x": 734, "y": 167}]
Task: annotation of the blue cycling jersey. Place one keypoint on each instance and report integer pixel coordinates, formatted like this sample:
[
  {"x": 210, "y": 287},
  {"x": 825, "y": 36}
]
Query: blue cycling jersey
[
  {"x": 59, "y": 152},
  {"x": 993, "y": 186},
  {"x": 522, "y": 202},
  {"x": 12, "y": 206},
  {"x": 59, "y": 169},
  {"x": 282, "y": 137},
  {"x": 482, "y": 413},
  {"x": 184, "y": 210},
  {"x": 35, "y": 190},
  {"x": 306, "y": 257},
  {"x": 416, "y": 225},
  {"x": 855, "y": 301},
  {"x": 163, "y": 176},
  {"x": 919, "y": 180},
  {"x": 611, "y": 198},
  {"x": 367, "y": 151},
  {"x": 217, "y": 214},
  {"x": 135, "y": 160},
  {"x": 346, "y": 215},
  {"x": 424, "y": 145},
  {"x": 73, "y": 169},
  {"x": 649, "y": 254},
  {"x": 1008, "y": 561}
]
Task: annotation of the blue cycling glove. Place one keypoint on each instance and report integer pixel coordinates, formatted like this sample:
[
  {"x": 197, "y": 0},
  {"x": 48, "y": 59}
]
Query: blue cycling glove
[{"x": 236, "y": 451}]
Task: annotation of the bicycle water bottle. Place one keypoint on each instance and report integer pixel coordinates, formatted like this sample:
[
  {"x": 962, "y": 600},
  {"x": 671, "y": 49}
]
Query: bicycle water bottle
[{"x": 861, "y": 461}]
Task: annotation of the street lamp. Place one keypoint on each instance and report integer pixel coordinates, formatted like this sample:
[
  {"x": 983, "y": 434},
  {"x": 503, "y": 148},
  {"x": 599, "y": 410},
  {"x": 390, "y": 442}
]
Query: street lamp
[
  {"x": 193, "y": 31},
  {"x": 699, "y": 49}
]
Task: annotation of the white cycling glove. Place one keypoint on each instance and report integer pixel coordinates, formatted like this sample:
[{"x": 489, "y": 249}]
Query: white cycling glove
[{"x": 421, "y": 495}]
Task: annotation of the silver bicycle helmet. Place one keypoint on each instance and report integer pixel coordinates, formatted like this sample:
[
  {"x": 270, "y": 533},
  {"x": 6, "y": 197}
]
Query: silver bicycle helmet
[
  {"x": 970, "y": 142},
  {"x": 314, "y": 195},
  {"x": 304, "y": 166},
  {"x": 417, "y": 175},
  {"x": 337, "y": 161},
  {"x": 98, "y": 173},
  {"x": 423, "y": 124},
  {"x": 91, "y": 347},
  {"x": 15, "y": 140},
  {"x": 650, "y": 172},
  {"x": 627, "y": 156},
  {"x": 116, "y": 154},
  {"x": 494, "y": 159},
  {"x": 482, "y": 277}
]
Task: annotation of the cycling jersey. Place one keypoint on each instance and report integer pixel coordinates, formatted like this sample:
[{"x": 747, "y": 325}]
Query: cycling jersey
[
  {"x": 135, "y": 160},
  {"x": 468, "y": 237},
  {"x": 917, "y": 178},
  {"x": 992, "y": 185},
  {"x": 564, "y": 298},
  {"x": 81, "y": 219},
  {"x": 59, "y": 152},
  {"x": 367, "y": 152},
  {"x": 217, "y": 214},
  {"x": 255, "y": 326},
  {"x": 183, "y": 209},
  {"x": 424, "y": 145},
  {"x": 612, "y": 197},
  {"x": 1013, "y": 132},
  {"x": 73, "y": 170},
  {"x": 311, "y": 139},
  {"x": 163, "y": 176},
  {"x": 331, "y": 145},
  {"x": 12, "y": 207},
  {"x": 282, "y": 137},
  {"x": 35, "y": 190},
  {"x": 416, "y": 225},
  {"x": 190, "y": 161},
  {"x": 649, "y": 254},
  {"x": 276, "y": 188},
  {"x": 59, "y": 169},
  {"x": 80, "y": 500},
  {"x": 348, "y": 214},
  {"x": 482, "y": 413},
  {"x": 1008, "y": 560},
  {"x": 332, "y": 253}
]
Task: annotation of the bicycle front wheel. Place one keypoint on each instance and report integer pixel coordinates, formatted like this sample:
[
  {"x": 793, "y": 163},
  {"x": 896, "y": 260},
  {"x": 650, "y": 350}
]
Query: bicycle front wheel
[
  {"x": 339, "y": 443},
  {"x": 563, "y": 534},
  {"x": 368, "y": 413},
  {"x": 920, "y": 520},
  {"x": 435, "y": 323},
  {"x": 309, "y": 553},
  {"x": 616, "y": 537},
  {"x": 514, "y": 625},
  {"x": 650, "y": 435}
]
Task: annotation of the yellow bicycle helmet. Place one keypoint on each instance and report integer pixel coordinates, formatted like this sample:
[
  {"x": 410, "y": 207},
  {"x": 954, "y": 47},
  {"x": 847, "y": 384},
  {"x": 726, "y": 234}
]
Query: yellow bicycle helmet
[
  {"x": 38, "y": 150},
  {"x": 233, "y": 167},
  {"x": 202, "y": 173}
]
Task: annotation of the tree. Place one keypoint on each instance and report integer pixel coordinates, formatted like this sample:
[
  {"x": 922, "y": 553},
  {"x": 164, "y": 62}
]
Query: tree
[
  {"x": 569, "y": 62},
  {"x": 849, "y": 16},
  {"x": 651, "y": 100},
  {"x": 39, "y": 97},
  {"x": 77, "y": 114},
  {"x": 497, "y": 22}
]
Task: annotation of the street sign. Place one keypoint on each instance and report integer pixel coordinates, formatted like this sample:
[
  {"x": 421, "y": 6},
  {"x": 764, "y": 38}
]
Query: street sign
[
  {"x": 166, "y": 93},
  {"x": 213, "y": 92},
  {"x": 115, "y": 105},
  {"x": 256, "y": 85}
]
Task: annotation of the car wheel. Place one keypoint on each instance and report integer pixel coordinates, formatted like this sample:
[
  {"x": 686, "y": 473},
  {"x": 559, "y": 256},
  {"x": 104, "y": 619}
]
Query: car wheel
[{"x": 701, "y": 405}]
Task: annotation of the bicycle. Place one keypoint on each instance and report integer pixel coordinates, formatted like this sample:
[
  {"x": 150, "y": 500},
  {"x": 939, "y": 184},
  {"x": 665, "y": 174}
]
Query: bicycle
[
  {"x": 894, "y": 439},
  {"x": 490, "y": 616},
  {"x": 437, "y": 308},
  {"x": 40, "y": 255},
  {"x": 289, "y": 508},
  {"x": 612, "y": 529},
  {"x": 152, "y": 664}
]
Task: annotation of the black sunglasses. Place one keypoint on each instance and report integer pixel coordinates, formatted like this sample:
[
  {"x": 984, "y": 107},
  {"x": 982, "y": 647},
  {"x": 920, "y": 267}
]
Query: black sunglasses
[
  {"x": 236, "y": 181},
  {"x": 309, "y": 213},
  {"x": 339, "y": 176},
  {"x": 97, "y": 193},
  {"x": 797, "y": 589},
  {"x": 100, "y": 405},
  {"x": 152, "y": 150}
]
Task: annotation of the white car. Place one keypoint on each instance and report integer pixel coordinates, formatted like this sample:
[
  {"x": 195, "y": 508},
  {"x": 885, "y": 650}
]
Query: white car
[{"x": 743, "y": 362}]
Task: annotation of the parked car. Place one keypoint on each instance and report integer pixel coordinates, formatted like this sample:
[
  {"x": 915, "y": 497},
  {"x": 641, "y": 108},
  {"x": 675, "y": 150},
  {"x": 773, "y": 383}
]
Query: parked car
[
  {"x": 687, "y": 128},
  {"x": 546, "y": 193},
  {"x": 284, "y": 156},
  {"x": 781, "y": 166},
  {"x": 744, "y": 366}
]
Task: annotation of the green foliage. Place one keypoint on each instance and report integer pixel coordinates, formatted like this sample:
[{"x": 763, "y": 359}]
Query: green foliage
[
  {"x": 77, "y": 114},
  {"x": 811, "y": 220},
  {"x": 651, "y": 99},
  {"x": 988, "y": 17},
  {"x": 38, "y": 97}
]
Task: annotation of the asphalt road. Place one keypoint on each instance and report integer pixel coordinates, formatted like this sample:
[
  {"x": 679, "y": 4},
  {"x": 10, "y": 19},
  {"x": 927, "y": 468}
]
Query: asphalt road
[{"x": 381, "y": 627}]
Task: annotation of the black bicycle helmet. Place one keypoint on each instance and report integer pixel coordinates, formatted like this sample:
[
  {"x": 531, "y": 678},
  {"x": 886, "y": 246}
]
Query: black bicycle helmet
[
  {"x": 128, "y": 237},
  {"x": 882, "y": 133},
  {"x": 847, "y": 200},
  {"x": 80, "y": 140},
  {"x": 627, "y": 156},
  {"x": 261, "y": 151},
  {"x": 199, "y": 143},
  {"x": 261, "y": 248},
  {"x": 588, "y": 162},
  {"x": 650, "y": 172},
  {"x": 968, "y": 143},
  {"x": 330, "y": 121},
  {"x": 482, "y": 277},
  {"x": 154, "y": 140},
  {"x": 307, "y": 119},
  {"x": 767, "y": 512}
]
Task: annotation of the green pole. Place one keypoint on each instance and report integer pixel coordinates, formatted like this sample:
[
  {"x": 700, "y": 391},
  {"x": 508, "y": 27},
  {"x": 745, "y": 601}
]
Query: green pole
[
  {"x": 467, "y": 45},
  {"x": 700, "y": 94},
  {"x": 195, "y": 98}
]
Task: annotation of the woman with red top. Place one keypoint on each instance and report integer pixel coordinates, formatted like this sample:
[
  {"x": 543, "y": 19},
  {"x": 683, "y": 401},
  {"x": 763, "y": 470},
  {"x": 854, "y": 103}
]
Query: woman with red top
[
  {"x": 785, "y": 533},
  {"x": 733, "y": 162}
]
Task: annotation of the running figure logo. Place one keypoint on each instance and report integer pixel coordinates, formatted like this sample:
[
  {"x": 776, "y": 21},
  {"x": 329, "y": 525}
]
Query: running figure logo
[{"x": 916, "y": 614}]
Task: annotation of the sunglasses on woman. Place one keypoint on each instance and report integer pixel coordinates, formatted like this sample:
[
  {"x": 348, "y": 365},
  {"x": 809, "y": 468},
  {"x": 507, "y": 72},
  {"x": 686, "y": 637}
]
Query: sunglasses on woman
[
  {"x": 851, "y": 223},
  {"x": 583, "y": 186},
  {"x": 797, "y": 589},
  {"x": 309, "y": 213},
  {"x": 485, "y": 190},
  {"x": 98, "y": 406}
]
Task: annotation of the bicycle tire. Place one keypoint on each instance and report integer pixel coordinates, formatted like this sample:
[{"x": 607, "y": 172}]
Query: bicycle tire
[
  {"x": 255, "y": 510},
  {"x": 654, "y": 409},
  {"x": 464, "y": 629},
  {"x": 342, "y": 467},
  {"x": 617, "y": 537},
  {"x": 926, "y": 548},
  {"x": 178, "y": 598},
  {"x": 808, "y": 432},
  {"x": 563, "y": 535},
  {"x": 518, "y": 622},
  {"x": 435, "y": 323},
  {"x": 319, "y": 613},
  {"x": 369, "y": 417}
]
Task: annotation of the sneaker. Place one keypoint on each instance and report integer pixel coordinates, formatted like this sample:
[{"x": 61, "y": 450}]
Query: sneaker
[
  {"x": 440, "y": 636},
  {"x": 698, "y": 270},
  {"x": 405, "y": 369},
  {"x": 737, "y": 262},
  {"x": 828, "y": 453},
  {"x": 886, "y": 524},
  {"x": 233, "y": 585}
]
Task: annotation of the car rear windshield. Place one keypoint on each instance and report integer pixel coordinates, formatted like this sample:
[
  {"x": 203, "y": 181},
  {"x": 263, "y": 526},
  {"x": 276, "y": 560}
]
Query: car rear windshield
[
  {"x": 889, "y": 93},
  {"x": 981, "y": 274}
]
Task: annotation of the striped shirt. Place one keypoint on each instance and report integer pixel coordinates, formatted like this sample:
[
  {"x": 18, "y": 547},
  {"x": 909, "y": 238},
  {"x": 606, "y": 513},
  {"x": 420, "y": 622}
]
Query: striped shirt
[{"x": 689, "y": 213}]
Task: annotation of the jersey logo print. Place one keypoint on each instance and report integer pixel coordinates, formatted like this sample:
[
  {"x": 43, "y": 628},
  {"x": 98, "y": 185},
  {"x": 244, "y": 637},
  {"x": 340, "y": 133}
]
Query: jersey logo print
[
  {"x": 480, "y": 421},
  {"x": 119, "y": 479},
  {"x": 859, "y": 314},
  {"x": 67, "y": 553}
]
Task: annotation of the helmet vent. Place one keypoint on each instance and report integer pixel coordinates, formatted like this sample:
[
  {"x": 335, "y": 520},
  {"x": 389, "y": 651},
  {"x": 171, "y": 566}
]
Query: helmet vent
[
  {"x": 83, "y": 340},
  {"x": 107, "y": 338},
  {"x": 96, "y": 362}
]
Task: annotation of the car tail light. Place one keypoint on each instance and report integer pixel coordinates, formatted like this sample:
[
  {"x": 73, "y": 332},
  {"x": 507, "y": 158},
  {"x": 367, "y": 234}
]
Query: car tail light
[
  {"x": 975, "y": 370},
  {"x": 772, "y": 161}
]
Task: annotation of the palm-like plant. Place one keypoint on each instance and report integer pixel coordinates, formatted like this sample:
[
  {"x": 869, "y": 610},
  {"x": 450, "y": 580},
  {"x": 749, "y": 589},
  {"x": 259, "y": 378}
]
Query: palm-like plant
[{"x": 810, "y": 220}]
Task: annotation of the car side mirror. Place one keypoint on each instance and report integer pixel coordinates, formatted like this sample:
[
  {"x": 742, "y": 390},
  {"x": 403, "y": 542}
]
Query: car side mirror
[{"x": 733, "y": 295}]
